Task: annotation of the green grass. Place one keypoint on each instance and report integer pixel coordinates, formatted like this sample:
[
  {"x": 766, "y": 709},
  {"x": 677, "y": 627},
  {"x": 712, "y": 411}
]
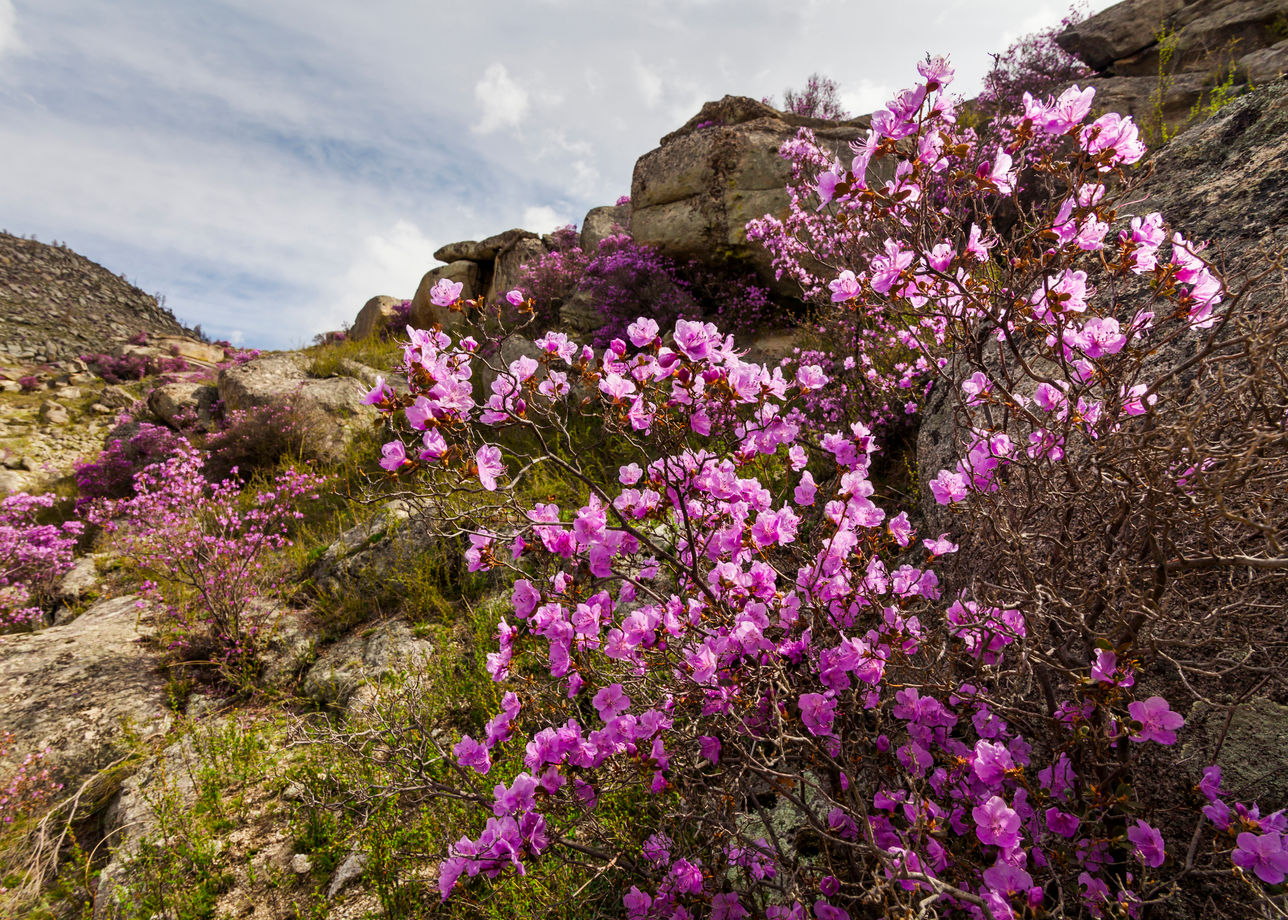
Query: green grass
[{"x": 328, "y": 360}]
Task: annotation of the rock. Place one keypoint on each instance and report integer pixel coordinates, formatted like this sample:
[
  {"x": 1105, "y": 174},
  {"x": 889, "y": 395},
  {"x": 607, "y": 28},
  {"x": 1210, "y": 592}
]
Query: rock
[
  {"x": 361, "y": 658},
  {"x": 692, "y": 196},
  {"x": 1267, "y": 64},
  {"x": 425, "y": 313},
  {"x": 54, "y": 413},
  {"x": 482, "y": 251},
  {"x": 79, "y": 580},
  {"x": 365, "y": 550},
  {"x": 351, "y": 869},
  {"x": 68, "y": 393},
  {"x": 190, "y": 350},
  {"x": 70, "y": 688},
  {"x": 579, "y": 315},
  {"x": 1253, "y": 753},
  {"x": 291, "y": 646},
  {"x": 172, "y": 403},
  {"x": 301, "y": 864},
  {"x": 772, "y": 346},
  {"x": 1121, "y": 30},
  {"x": 100, "y": 409},
  {"x": 132, "y": 818},
  {"x": 374, "y": 317},
  {"x": 604, "y": 221},
  {"x": 116, "y": 397},
  {"x": 329, "y": 412},
  {"x": 10, "y": 386},
  {"x": 509, "y": 266}
]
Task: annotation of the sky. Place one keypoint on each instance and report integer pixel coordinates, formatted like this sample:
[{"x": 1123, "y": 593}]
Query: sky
[{"x": 269, "y": 165}]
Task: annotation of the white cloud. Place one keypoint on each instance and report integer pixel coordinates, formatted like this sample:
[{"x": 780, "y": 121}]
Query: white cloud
[
  {"x": 649, "y": 85},
  {"x": 543, "y": 219},
  {"x": 865, "y": 98},
  {"x": 390, "y": 262},
  {"x": 502, "y": 102},
  {"x": 8, "y": 27}
]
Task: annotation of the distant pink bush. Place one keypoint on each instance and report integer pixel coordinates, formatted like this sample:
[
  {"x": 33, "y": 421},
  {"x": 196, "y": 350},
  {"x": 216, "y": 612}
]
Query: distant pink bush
[
  {"x": 33, "y": 556},
  {"x": 111, "y": 474},
  {"x": 208, "y": 551}
]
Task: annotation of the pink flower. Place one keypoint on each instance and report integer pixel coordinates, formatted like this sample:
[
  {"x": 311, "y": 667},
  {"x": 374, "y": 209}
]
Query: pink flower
[
  {"x": 379, "y": 393},
  {"x": 845, "y": 287},
  {"x": 445, "y": 293},
  {"x": 1264, "y": 854},
  {"x": 515, "y": 298},
  {"x": 1148, "y": 843},
  {"x": 611, "y": 701},
  {"x": 940, "y": 546},
  {"x": 900, "y": 529},
  {"x": 948, "y": 487},
  {"x": 469, "y": 753},
  {"x": 490, "y": 466},
  {"x": 393, "y": 455},
  {"x": 1158, "y": 722},
  {"x": 642, "y": 332},
  {"x": 804, "y": 493},
  {"x": 817, "y": 712},
  {"x": 996, "y": 824},
  {"x": 435, "y": 445}
]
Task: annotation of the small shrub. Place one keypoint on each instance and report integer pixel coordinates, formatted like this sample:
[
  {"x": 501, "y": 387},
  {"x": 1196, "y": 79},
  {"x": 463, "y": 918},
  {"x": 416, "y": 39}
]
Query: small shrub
[
  {"x": 33, "y": 556},
  {"x": 29, "y": 383},
  {"x": 111, "y": 474},
  {"x": 820, "y": 98},
  {"x": 254, "y": 440}
]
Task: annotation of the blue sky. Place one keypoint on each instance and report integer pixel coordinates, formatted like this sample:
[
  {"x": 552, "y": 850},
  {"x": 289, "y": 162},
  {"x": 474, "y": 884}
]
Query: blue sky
[{"x": 268, "y": 165}]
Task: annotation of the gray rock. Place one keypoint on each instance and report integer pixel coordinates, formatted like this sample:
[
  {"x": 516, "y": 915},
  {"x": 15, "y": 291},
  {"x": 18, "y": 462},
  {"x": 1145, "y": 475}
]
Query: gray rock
[
  {"x": 329, "y": 412},
  {"x": 1254, "y": 751},
  {"x": 173, "y": 402},
  {"x": 425, "y": 313},
  {"x": 301, "y": 864},
  {"x": 509, "y": 266},
  {"x": 374, "y": 317},
  {"x": 362, "y": 658},
  {"x": 483, "y": 250},
  {"x": 1122, "y": 30},
  {"x": 54, "y": 413},
  {"x": 350, "y": 870},
  {"x": 692, "y": 196},
  {"x": 604, "y": 221},
  {"x": 70, "y": 688},
  {"x": 79, "y": 580}
]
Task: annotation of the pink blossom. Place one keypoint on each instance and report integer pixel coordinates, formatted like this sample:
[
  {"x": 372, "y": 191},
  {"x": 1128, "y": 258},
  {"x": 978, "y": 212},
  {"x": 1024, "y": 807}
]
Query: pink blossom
[
  {"x": 845, "y": 287},
  {"x": 1264, "y": 854},
  {"x": 515, "y": 298},
  {"x": 996, "y": 824},
  {"x": 1148, "y": 843},
  {"x": 393, "y": 455},
  {"x": 1158, "y": 722},
  {"x": 817, "y": 712},
  {"x": 488, "y": 459},
  {"x": 445, "y": 293},
  {"x": 940, "y": 545}
]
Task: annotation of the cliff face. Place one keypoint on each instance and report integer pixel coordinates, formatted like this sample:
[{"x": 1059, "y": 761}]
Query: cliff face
[{"x": 56, "y": 305}]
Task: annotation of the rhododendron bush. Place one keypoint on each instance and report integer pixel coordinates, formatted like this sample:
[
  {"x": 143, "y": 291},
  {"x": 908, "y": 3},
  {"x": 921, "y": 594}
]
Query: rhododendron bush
[
  {"x": 841, "y": 706},
  {"x": 33, "y": 556}
]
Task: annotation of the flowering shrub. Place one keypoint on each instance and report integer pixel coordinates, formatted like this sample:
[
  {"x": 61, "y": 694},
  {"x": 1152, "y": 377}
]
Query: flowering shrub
[
  {"x": 122, "y": 368},
  {"x": 29, "y": 383},
  {"x": 111, "y": 474},
  {"x": 819, "y": 99},
  {"x": 623, "y": 279},
  {"x": 207, "y": 550},
  {"x": 32, "y": 557},
  {"x": 836, "y": 714},
  {"x": 28, "y": 788},
  {"x": 251, "y": 440},
  {"x": 1034, "y": 64}
]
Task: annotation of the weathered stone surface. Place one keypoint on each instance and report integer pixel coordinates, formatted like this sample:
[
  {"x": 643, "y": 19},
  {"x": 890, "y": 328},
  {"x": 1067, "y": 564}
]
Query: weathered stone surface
[
  {"x": 361, "y": 658},
  {"x": 692, "y": 196},
  {"x": 374, "y": 316},
  {"x": 604, "y": 221},
  {"x": 71, "y": 688},
  {"x": 191, "y": 350},
  {"x": 54, "y": 413},
  {"x": 330, "y": 412},
  {"x": 1122, "y": 30},
  {"x": 424, "y": 313},
  {"x": 174, "y": 402},
  {"x": 1254, "y": 751},
  {"x": 509, "y": 266},
  {"x": 482, "y": 250}
]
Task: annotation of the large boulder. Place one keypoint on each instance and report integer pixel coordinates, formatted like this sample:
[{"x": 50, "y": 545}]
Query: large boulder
[
  {"x": 183, "y": 402},
  {"x": 374, "y": 316},
  {"x": 425, "y": 313},
  {"x": 1122, "y": 30},
  {"x": 601, "y": 222},
  {"x": 343, "y": 673},
  {"x": 692, "y": 196},
  {"x": 482, "y": 250},
  {"x": 329, "y": 411},
  {"x": 74, "y": 689},
  {"x": 509, "y": 266}
]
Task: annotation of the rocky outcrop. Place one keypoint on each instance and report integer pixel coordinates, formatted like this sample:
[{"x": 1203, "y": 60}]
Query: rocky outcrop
[
  {"x": 1160, "y": 60},
  {"x": 693, "y": 195},
  {"x": 602, "y": 222},
  {"x": 482, "y": 250},
  {"x": 424, "y": 313},
  {"x": 345, "y": 669},
  {"x": 329, "y": 411},
  {"x": 74, "y": 688},
  {"x": 183, "y": 402},
  {"x": 374, "y": 316},
  {"x": 56, "y": 305}
]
